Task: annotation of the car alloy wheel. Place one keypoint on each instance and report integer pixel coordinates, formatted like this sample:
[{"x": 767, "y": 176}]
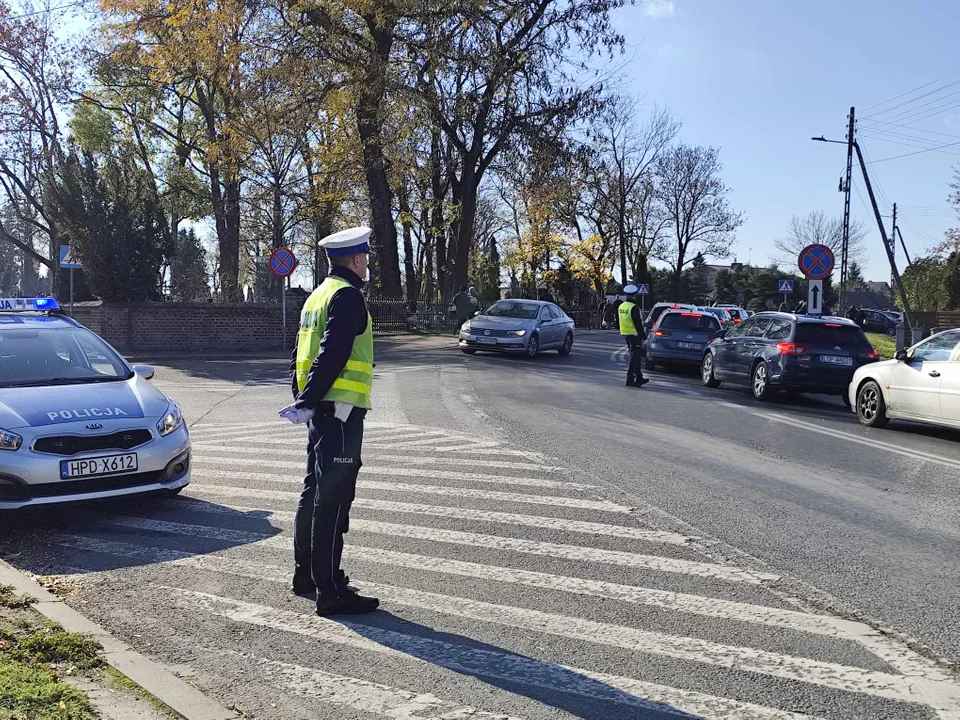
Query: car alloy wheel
[
  {"x": 761, "y": 382},
  {"x": 871, "y": 410},
  {"x": 567, "y": 345},
  {"x": 706, "y": 372},
  {"x": 533, "y": 346}
]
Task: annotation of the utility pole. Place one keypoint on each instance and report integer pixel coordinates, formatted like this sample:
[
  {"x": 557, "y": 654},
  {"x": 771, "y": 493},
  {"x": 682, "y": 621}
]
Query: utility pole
[
  {"x": 893, "y": 241},
  {"x": 886, "y": 243},
  {"x": 845, "y": 246}
]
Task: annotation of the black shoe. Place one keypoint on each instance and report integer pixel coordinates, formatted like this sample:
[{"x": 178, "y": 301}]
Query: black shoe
[
  {"x": 642, "y": 381},
  {"x": 632, "y": 383},
  {"x": 303, "y": 588},
  {"x": 345, "y": 603}
]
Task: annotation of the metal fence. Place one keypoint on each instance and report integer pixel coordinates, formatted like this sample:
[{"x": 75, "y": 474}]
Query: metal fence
[{"x": 398, "y": 315}]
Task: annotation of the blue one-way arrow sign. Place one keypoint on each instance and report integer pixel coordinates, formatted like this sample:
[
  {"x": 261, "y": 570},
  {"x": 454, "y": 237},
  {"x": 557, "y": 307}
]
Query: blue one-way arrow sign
[{"x": 786, "y": 286}]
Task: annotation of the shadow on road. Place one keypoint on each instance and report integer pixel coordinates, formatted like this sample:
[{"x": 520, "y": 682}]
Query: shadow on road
[
  {"x": 553, "y": 685},
  {"x": 77, "y": 538}
]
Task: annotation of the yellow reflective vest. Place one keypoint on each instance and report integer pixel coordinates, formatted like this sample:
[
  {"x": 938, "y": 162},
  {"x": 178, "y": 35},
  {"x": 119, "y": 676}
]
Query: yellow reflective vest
[
  {"x": 355, "y": 381},
  {"x": 625, "y": 312}
]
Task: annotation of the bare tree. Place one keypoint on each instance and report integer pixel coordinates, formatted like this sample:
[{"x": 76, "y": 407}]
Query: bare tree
[
  {"x": 818, "y": 228},
  {"x": 36, "y": 76},
  {"x": 694, "y": 198},
  {"x": 622, "y": 181}
]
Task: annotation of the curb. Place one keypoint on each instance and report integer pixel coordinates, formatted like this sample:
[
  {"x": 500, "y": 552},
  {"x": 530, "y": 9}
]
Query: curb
[{"x": 149, "y": 675}]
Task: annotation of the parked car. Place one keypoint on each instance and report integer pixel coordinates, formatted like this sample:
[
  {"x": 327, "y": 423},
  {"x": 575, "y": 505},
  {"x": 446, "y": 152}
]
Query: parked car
[
  {"x": 518, "y": 326},
  {"x": 774, "y": 351},
  {"x": 680, "y": 337},
  {"x": 736, "y": 312},
  {"x": 657, "y": 310},
  {"x": 921, "y": 383},
  {"x": 879, "y": 322},
  {"x": 722, "y": 314},
  {"x": 77, "y": 422}
]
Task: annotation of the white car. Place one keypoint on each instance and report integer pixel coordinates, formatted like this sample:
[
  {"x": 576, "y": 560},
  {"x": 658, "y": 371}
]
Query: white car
[{"x": 922, "y": 384}]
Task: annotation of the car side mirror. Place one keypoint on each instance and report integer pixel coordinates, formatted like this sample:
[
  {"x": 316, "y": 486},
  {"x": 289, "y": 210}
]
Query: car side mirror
[
  {"x": 722, "y": 333},
  {"x": 144, "y": 371},
  {"x": 901, "y": 355}
]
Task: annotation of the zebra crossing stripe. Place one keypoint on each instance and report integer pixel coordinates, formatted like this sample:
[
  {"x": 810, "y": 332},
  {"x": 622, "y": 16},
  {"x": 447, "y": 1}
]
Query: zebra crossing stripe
[
  {"x": 360, "y": 695},
  {"x": 459, "y": 493},
  {"x": 940, "y": 695},
  {"x": 455, "y": 537},
  {"x": 429, "y": 474},
  {"x": 491, "y": 516},
  {"x": 482, "y": 662},
  {"x": 296, "y": 445}
]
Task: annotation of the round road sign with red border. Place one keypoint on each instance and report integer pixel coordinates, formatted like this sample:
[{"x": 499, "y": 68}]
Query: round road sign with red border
[
  {"x": 816, "y": 262},
  {"x": 282, "y": 262}
]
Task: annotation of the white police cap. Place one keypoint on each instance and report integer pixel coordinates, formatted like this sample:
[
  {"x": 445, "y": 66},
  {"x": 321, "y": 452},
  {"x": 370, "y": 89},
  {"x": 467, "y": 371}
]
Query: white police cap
[
  {"x": 631, "y": 290},
  {"x": 347, "y": 242}
]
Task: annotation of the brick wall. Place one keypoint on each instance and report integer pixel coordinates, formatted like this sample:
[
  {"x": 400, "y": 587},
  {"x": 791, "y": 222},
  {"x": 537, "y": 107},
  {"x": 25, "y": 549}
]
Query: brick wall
[{"x": 196, "y": 327}]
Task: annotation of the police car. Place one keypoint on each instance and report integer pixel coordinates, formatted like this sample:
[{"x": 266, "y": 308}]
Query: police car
[{"x": 77, "y": 422}]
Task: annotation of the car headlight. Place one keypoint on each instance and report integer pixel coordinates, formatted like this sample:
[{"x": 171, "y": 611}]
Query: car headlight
[
  {"x": 465, "y": 327},
  {"x": 9, "y": 440},
  {"x": 171, "y": 421},
  {"x": 517, "y": 333}
]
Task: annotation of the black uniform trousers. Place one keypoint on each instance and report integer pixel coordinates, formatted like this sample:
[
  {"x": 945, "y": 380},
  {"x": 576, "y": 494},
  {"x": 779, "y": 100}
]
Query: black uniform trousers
[
  {"x": 635, "y": 345},
  {"x": 323, "y": 514}
]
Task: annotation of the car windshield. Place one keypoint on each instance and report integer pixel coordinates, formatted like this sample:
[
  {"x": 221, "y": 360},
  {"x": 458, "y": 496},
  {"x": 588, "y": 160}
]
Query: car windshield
[
  {"x": 735, "y": 314},
  {"x": 831, "y": 334},
  {"x": 57, "y": 356},
  {"x": 690, "y": 322},
  {"x": 509, "y": 309}
]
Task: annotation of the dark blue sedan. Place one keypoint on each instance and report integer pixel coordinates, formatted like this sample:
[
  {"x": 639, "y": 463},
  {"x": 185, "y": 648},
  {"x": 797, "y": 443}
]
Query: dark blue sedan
[{"x": 680, "y": 336}]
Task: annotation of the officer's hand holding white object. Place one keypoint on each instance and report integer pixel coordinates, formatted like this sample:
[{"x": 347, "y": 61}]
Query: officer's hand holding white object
[{"x": 297, "y": 417}]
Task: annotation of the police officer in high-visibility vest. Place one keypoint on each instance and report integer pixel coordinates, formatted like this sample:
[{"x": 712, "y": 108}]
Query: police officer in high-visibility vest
[
  {"x": 631, "y": 327},
  {"x": 332, "y": 376}
]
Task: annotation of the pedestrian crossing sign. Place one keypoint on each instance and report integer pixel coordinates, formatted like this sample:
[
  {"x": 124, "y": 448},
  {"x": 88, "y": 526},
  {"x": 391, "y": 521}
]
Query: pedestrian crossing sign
[
  {"x": 786, "y": 286},
  {"x": 643, "y": 289},
  {"x": 66, "y": 259}
]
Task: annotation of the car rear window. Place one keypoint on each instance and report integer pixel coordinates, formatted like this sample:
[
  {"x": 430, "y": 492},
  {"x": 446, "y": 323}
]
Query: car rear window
[
  {"x": 830, "y": 334},
  {"x": 690, "y": 321}
]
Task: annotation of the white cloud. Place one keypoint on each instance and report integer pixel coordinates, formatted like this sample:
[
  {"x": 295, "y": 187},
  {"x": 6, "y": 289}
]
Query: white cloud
[{"x": 658, "y": 9}]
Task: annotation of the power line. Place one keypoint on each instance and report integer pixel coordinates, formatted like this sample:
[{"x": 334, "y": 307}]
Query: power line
[
  {"x": 875, "y": 124},
  {"x": 910, "y": 92},
  {"x": 912, "y": 145},
  {"x": 913, "y": 100},
  {"x": 924, "y": 114},
  {"x": 918, "y": 152}
]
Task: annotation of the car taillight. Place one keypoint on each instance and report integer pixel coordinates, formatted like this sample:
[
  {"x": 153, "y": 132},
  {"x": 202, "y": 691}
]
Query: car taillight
[
  {"x": 690, "y": 315},
  {"x": 736, "y": 320},
  {"x": 786, "y": 348},
  {"x": 872, "y": 353},
  {"x": 661, "y": 333}
]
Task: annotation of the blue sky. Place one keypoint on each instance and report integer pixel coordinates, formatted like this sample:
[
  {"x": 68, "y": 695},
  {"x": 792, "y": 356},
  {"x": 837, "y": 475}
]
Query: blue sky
[{"x": 759, "y": 78}]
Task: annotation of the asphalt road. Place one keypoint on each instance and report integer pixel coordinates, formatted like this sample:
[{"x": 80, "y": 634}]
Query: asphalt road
[{"x": 546, "y": 543}]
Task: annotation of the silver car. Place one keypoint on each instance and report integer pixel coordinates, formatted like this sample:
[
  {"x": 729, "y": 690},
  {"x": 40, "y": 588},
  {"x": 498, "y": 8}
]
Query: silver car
[
  {"x": 77, "y": 422},
  {"x": 518, "y": 326}
]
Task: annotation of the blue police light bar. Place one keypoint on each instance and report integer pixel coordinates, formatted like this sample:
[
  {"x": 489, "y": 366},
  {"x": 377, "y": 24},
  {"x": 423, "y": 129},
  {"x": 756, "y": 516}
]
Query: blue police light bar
[{"x": 38, "y": 304}]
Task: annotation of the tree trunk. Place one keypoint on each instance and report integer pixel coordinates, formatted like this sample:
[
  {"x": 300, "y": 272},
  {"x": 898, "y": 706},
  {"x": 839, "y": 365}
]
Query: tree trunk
[
  {"x": 230, "y": 241},
  {"x": 370, "y": 96},
  {"x": 438, "y": 230},
  {"x": 465, "y": 224},
  {"x": 410, "y": 275}
]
